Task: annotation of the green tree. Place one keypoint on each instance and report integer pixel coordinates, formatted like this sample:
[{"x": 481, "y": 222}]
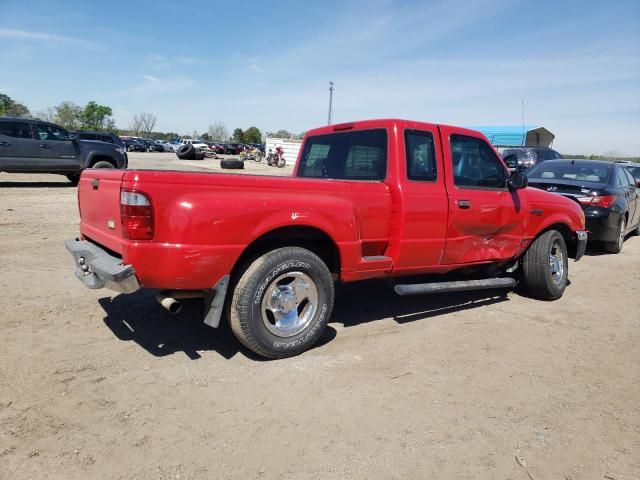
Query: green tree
[
  {"x": 205, "y": 136},
  {"x": 97, "y": 117},
  {"x": 252, "y": 135},
  {"x": 11, "y": 108},
  {"x": 68, "y": 115},
  {"x": 237, "y": 136}
]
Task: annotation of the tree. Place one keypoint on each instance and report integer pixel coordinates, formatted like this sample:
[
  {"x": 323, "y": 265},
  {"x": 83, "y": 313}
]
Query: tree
[
  {"x": 11, "y": 108},
  {"x": 238, "y": 136},
  {"x": 97, "y": 117},
  {"x": 136, "y": 125},
  {"x": 252, "y": 135},
  {"x": 218, "y": 132},
  {"x": 148, "y": 122},
  {"x": 68, "y": 115},
  {"x": 205, "y": 137},
  {"x": 48, "y": 115},
  {"x": 282, "y": 134}
]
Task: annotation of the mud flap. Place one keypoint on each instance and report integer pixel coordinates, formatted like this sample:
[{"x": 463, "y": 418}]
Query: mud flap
[{"x": 214, "y": 302}]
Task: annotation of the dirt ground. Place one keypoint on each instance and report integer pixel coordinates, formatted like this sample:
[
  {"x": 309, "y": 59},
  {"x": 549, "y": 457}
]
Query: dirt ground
[{"x": 474, "y": 386}]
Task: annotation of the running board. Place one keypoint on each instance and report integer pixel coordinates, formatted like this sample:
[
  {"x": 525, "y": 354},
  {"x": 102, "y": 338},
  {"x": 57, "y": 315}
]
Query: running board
[{"x": 462, "y": 286}]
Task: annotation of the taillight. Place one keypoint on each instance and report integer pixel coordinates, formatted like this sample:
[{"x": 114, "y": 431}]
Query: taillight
[
  {"x": 136, "y": 215},
  {"x": 602, "y": 201}
]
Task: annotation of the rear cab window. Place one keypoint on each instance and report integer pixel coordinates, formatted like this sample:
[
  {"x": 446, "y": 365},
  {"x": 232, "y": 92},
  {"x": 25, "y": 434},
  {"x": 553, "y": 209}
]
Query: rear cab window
[
  {"x": 355, "y": 155},
  {"x": 16, "y": 130}
]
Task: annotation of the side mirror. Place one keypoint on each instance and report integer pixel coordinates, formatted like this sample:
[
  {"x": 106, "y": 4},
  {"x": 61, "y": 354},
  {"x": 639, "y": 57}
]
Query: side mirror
[
  {"x": 73, "y": 137},
  {"x": 517, "y": 180}
]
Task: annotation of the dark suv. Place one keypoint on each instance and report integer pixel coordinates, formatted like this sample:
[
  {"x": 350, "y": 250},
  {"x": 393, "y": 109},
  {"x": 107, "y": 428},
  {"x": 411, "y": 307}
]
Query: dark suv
[
  {"x": 522, "y": 158},
  {"x": 99, "y": 136},
  {"x": 42, "y": 147}
]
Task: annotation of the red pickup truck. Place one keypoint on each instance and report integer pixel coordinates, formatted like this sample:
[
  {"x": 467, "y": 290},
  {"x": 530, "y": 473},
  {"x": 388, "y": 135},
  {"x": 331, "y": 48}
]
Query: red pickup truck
[{"x": 391, "y": 199}]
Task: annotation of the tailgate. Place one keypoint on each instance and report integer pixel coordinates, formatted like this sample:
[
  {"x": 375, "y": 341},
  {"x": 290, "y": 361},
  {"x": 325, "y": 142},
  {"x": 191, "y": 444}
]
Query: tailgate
[{"x": 99, "y": 200}]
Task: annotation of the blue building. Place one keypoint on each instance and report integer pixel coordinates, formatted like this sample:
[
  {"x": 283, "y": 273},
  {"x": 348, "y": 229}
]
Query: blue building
[{"x": 512, "y": 136}]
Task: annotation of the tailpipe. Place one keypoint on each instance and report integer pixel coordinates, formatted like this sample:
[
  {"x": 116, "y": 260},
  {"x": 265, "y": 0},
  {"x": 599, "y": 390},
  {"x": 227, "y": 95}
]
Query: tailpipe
[{"x": 169, "y": 299}]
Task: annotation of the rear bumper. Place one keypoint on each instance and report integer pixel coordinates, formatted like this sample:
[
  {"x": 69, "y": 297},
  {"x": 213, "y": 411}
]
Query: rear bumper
[
  {"x": 603, "y": 227},
  {"x": 96, "y": 268},
  {"x": 581, "y": 244}
]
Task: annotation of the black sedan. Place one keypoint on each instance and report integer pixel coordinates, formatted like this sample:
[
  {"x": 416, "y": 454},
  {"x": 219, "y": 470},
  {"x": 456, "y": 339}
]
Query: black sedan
[
  {"x": 133, "y": 145},
  {"x": 606, "y": 191}
]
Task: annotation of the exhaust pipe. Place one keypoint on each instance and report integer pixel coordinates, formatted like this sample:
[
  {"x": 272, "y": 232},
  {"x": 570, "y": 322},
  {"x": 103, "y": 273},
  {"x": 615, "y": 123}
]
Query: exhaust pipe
[{"x": 169, "y": 298}]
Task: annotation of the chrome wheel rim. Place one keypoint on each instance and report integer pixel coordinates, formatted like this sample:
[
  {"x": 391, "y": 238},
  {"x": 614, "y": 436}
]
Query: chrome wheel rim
[
  {"x": 556, "y": 263},
  {"x": 289, "y": 303},
  {"x": 621, "y": 234}
]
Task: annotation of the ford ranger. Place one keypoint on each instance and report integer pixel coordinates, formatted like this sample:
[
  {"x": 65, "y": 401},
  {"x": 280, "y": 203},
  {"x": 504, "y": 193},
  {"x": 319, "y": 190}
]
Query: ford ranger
[{"x": 431, "y": 208}]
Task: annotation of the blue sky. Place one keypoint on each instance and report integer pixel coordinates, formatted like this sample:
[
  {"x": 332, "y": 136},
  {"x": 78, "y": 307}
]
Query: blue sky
[{"x": 464, "y": 62}]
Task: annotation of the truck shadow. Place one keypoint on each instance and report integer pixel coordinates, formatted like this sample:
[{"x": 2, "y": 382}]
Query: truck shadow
[
  {"x": 61, "y": 184},
  {"x": 138, "y": 318},
  {"x": 363, "y": 302}
]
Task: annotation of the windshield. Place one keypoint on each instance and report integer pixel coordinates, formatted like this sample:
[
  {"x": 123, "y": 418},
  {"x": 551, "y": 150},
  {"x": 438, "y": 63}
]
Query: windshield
[
  {"x": 571, "y": 171},
  {"x": 635, "y": 171}
]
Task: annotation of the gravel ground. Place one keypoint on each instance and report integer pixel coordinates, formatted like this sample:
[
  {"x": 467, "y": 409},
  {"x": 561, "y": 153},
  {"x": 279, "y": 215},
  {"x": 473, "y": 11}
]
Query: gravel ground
[{"x": 481, "y": 385}]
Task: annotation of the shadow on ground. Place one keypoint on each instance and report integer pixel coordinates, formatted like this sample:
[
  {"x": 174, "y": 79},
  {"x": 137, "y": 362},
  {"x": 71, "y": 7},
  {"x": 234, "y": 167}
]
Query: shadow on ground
[
  {"x": 363, "y": 302},
  {"x": 62, "y": 184},
  {"x": 138, "y": 318}
]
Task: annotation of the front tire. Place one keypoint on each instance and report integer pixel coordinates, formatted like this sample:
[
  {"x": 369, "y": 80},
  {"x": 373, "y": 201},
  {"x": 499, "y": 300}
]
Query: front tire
[
  {"x": 545, "y": 266},
  {"x": 616, "y": 247},
  {"x": 73, "y": 178},
  {"x": 282, "y": 302}
]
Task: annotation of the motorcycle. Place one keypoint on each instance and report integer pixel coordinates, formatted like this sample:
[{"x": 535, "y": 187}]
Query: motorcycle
[{"x": 276, "y": 160}]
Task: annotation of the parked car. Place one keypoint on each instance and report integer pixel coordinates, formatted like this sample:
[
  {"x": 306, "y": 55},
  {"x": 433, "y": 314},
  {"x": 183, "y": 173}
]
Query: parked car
[
  {"x": 43, "y": 147},
  {"x": 199, "y": 145},
  {"x": 364, "y": 202},
  {"x": 151, "y": 145},
  {"x": 606, "y": 191},
  {"x": 526, "y": 157},
  {"x": 166, "y": 146},
  {"x": 133, "y": 145},
  {"x": 234, "y": 148}
]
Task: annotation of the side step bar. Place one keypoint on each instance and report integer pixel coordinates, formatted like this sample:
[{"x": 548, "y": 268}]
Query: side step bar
[{"x": 462, "y": 286}]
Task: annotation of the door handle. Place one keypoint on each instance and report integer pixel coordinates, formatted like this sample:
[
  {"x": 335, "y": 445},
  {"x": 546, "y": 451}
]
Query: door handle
[
  {"x": 5, "y": 144},
  {"x": 464, "y": 204},
  {"x": 44, "y": 145}
]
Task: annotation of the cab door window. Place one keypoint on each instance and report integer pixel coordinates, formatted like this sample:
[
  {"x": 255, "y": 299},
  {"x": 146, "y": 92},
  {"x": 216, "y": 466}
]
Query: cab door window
[
  {"x": 47, "y": 132},
  {"x": 421, "y": 155},
  {"x": 475, "y": 164}
]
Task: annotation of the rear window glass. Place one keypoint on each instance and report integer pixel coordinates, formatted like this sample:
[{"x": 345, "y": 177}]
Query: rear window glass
[
  {"x": 360, "y": 155},
  {"x": 570, "y": 171}
]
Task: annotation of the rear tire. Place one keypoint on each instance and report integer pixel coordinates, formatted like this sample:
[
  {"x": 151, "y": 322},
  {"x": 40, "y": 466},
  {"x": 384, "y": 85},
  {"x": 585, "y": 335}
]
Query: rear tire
[
  {"x": 545, "y": 266},
  {"x": 616, "y": 247},
  {"x": 232, "y": 164},
  {"x": 103, "y": 164},
  {"x": 74, "y": 178},
  {"x": 282, "y": 302}
]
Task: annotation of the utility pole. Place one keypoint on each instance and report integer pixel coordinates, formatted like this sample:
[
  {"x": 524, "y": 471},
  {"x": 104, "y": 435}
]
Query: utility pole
[{"x": 330, "y": 119}]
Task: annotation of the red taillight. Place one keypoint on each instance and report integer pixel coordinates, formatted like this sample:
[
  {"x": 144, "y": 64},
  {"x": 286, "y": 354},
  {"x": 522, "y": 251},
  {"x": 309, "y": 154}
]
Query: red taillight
[
  {"x": 136, "y": 215},
  {"x": 602, "y": 201}
]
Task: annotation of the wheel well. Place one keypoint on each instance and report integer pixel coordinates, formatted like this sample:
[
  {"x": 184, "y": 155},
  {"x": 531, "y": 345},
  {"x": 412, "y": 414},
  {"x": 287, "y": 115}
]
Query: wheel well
[
  {"x": 102, "y": 158},
  {"x": 311, "y": 238},
  {"x": 567, "y": 234}
]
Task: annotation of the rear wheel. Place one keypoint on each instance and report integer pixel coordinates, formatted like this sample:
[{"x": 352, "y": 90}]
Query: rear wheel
[
  {"x": 545, "y": 266},
  {"x": 74, "y": 178},
  {"x": 103, "y": 164},
  {"x": 616, "y": 246},
  {"x": 282, "y": 302}
]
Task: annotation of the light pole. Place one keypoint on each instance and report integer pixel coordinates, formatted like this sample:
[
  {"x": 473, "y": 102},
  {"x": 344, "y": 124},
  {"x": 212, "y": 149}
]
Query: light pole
[{"x": 330, "y": 103}]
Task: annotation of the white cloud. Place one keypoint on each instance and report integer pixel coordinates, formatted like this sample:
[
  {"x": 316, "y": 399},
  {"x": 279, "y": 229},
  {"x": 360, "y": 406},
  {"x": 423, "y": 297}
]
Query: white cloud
[
  {"x": 153, "y": 85},
  {"x": 24, "y": 35}
]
